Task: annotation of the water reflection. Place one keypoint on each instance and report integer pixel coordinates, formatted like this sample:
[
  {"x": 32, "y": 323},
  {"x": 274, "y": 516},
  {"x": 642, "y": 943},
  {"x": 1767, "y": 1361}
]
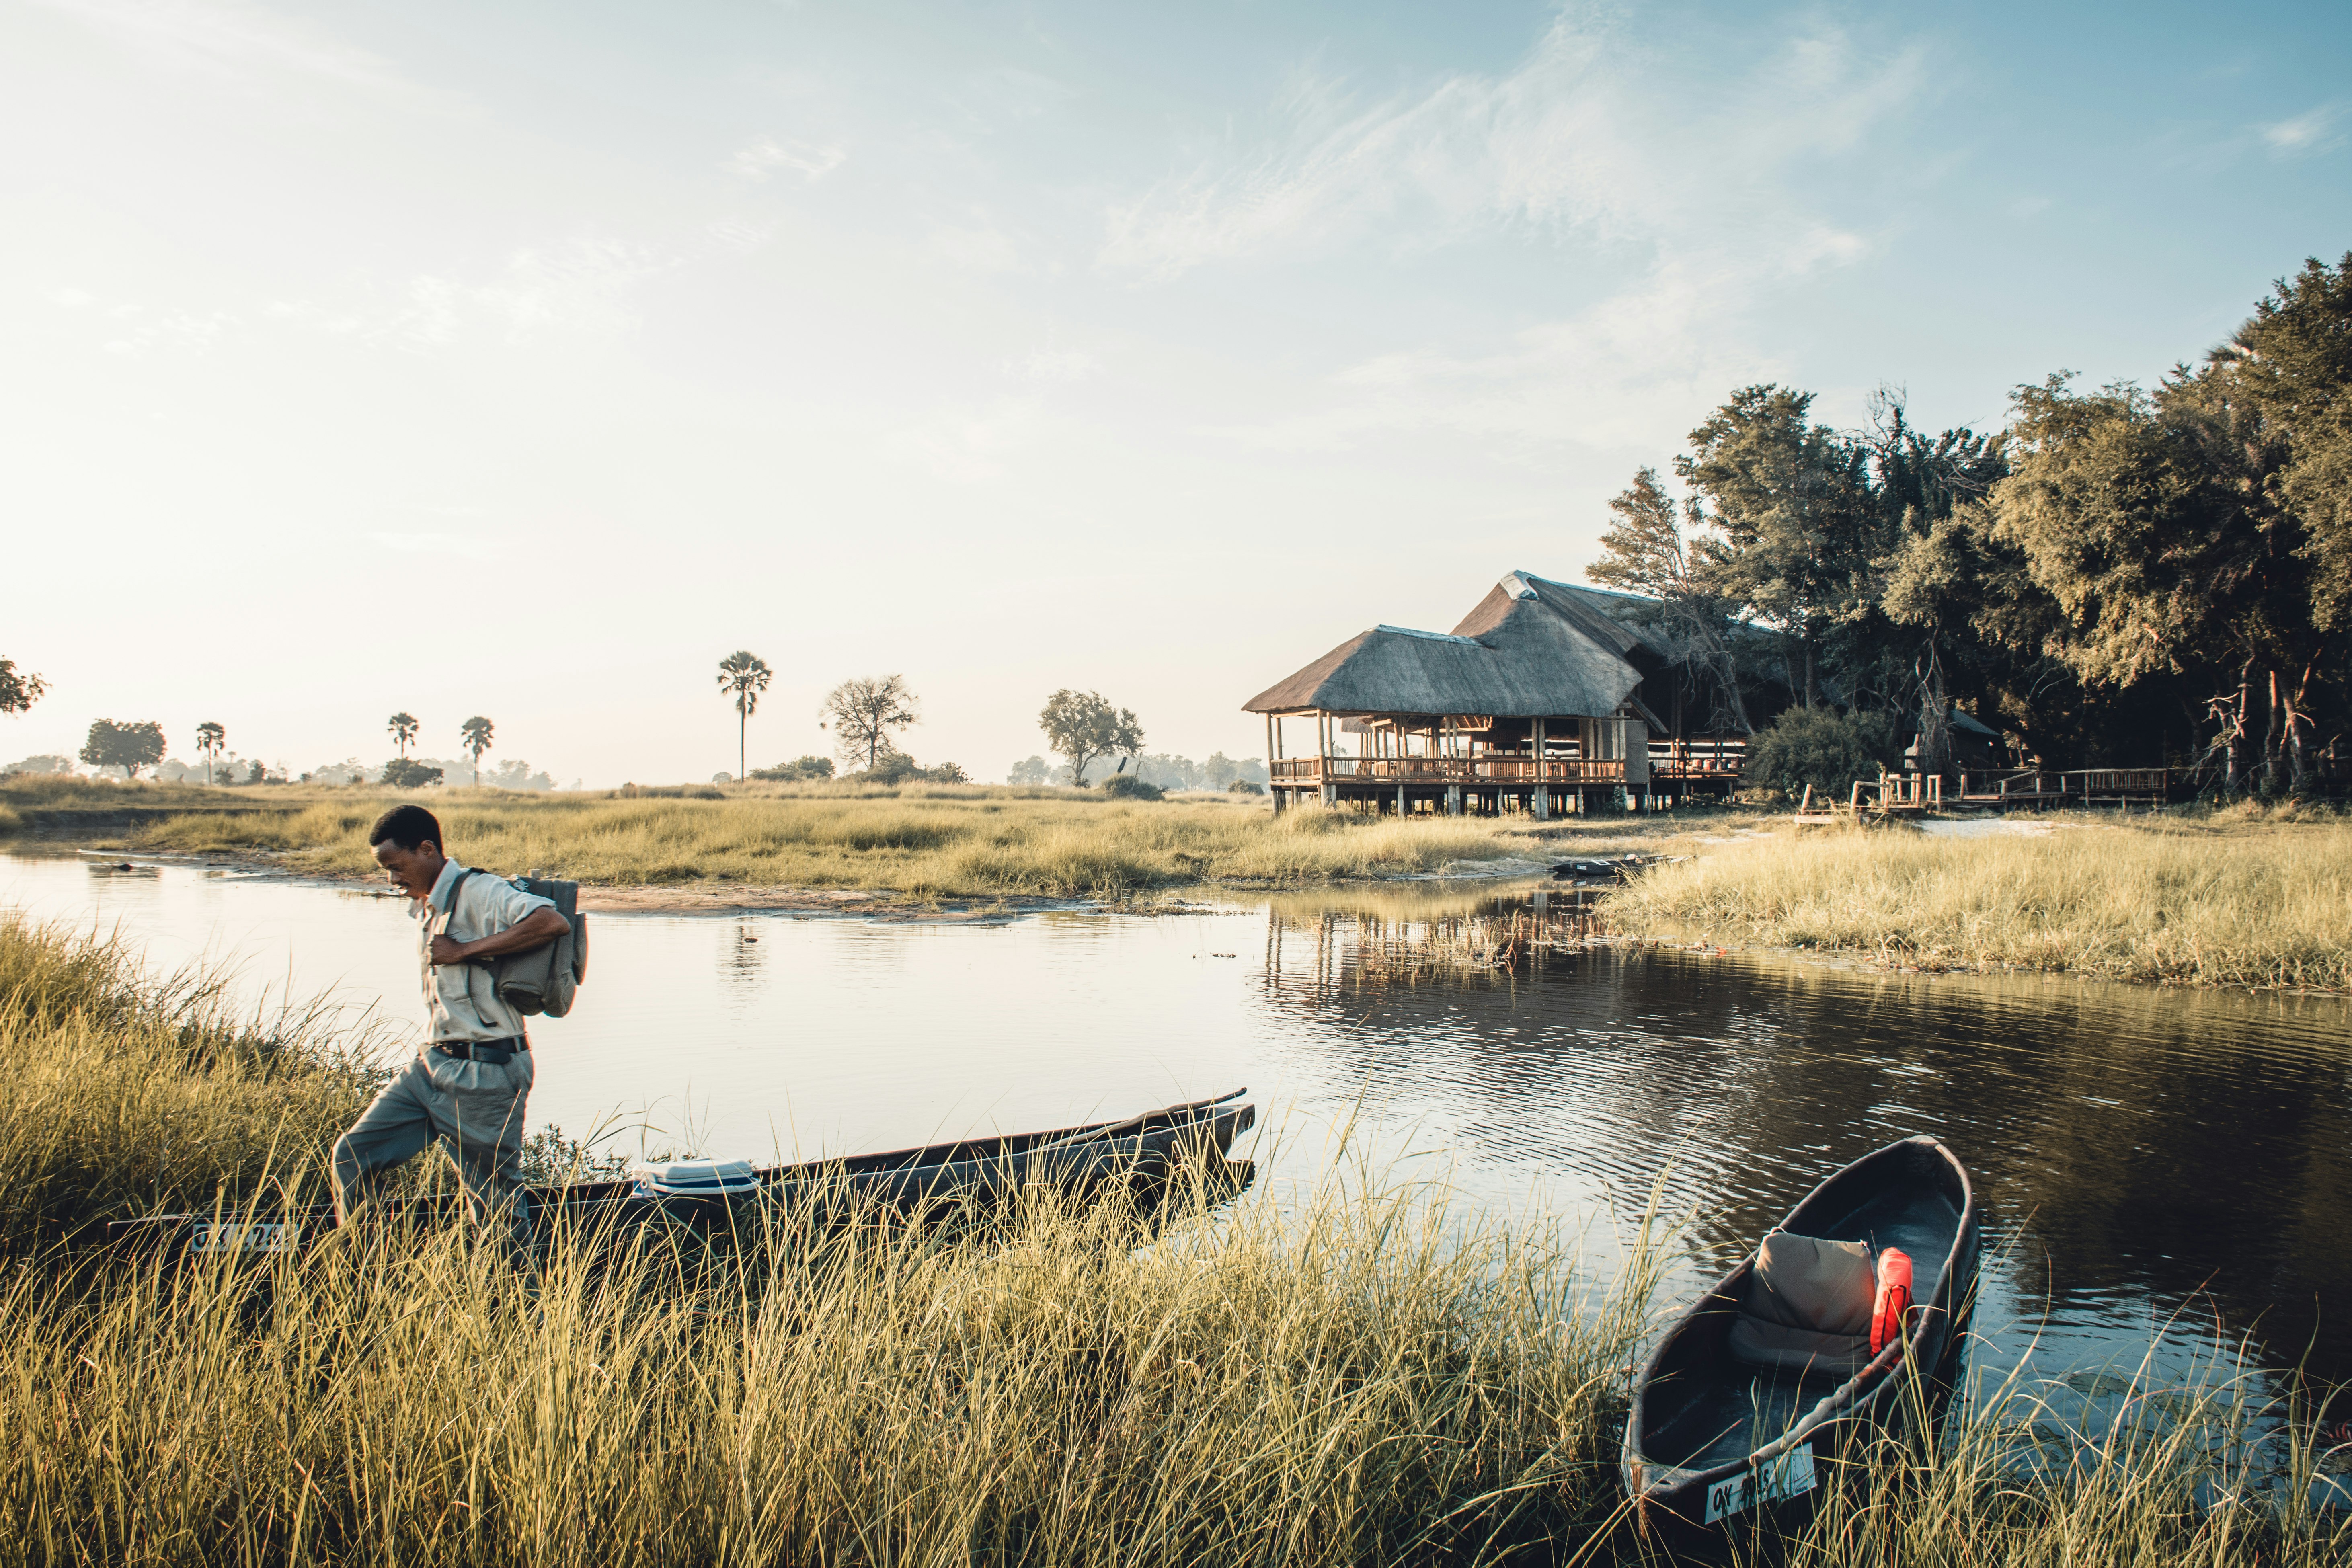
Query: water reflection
[
  {"x": 2133, "y": 1147},
  {"x": 741, "y": 960}
]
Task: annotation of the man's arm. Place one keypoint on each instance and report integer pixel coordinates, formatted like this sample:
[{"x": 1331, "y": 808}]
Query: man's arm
[{"x": 536, "y": 929}]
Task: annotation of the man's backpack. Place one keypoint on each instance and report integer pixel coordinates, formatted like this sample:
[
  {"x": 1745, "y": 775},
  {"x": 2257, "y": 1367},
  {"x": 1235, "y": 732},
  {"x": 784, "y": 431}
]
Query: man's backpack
[{"x": 542, "y": 979}]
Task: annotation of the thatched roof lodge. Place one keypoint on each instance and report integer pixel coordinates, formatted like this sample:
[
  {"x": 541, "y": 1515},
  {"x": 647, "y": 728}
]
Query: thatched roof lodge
[{"x": 1546, "y": 697}]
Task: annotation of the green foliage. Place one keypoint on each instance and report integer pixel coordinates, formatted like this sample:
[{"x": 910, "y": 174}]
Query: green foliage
[
  {"x": 799, "y": 769},
  {"x": 126, "y": 746},
  {"x": 1082, "y": 726},
  {"x": 742, "y": 676},
  {"x": 2294, "y": 361},
  {"x": 19, "y": 689},
  {"x": 897, "y": 768},
  {"x": 475, "y": 734},
  {"x": 1127, "y": 786},
  {"x": 1821, "y": 747},
  {"x": 403, "y": 773},
  {"x": 402, "y": 727},
  {"x": 862, "y": 713}
]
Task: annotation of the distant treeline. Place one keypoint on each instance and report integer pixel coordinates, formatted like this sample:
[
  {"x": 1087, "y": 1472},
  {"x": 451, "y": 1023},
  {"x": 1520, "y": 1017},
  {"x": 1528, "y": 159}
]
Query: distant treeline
[
  {"x": 2119, "y": 576},
  {"x": 232, "y": 769},
  {"x": 1164, "y": 769}
]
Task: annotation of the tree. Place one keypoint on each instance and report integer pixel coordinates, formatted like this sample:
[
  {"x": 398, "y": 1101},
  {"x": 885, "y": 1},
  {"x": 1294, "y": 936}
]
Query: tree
[
  {"x": 1082, "y": 727},
  {"x": 1792, "y": 500},
  {"x": 2292, "y": 361},
  {"x": 1645, "y": 552},
  {"x": 403, "y": 732},
  {"x": 2153, "y": 521},
  {"x": 403, "y": 773},
  {"x": 808, "y": 769},
  {"x": 861, "y": 714},
  {"x": 1942, "y": 572},
  {"x": 742, "y": 676},
  {"x": 209, "y": 737},
  {"x": 126, "y": 746},
  {"x": 474, "y": 736},
  {"x": 19, "y": 689}
]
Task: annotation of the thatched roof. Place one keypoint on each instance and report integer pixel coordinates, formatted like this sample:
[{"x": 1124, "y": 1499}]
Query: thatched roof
[{"x": 1530, "y": 650}]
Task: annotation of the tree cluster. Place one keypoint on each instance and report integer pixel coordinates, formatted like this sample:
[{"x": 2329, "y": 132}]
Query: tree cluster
[{"x": 2121, "y": 576}]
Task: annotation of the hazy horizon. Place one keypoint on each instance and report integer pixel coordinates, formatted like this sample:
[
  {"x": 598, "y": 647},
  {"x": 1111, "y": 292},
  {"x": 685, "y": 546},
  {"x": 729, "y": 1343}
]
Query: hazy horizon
[{"x": 526, "y": 361}]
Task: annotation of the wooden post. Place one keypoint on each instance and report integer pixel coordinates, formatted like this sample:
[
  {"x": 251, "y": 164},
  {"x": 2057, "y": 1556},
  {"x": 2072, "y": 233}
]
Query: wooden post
[
  {"x": 1273, "y": 757},
  {"x": 1543, "y": 784}
]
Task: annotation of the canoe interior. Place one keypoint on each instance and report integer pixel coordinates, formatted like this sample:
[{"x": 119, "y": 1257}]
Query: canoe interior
[{"x": 1702, "y": 1406}]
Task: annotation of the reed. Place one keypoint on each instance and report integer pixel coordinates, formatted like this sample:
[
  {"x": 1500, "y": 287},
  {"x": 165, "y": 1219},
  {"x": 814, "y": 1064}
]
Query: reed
[
  {"x": 2204, "y": 898},
  {"x": 929, "y": 840},
  {"x": 1357, "y": 1374},
  {"x": 126, "y": 1091}
]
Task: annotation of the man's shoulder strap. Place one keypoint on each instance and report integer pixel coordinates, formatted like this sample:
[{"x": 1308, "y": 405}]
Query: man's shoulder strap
[{"x": 455, "y": 882}]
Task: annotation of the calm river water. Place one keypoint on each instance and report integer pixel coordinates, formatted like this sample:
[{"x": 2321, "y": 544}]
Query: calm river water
[{"x": 2151, "y": 1161}]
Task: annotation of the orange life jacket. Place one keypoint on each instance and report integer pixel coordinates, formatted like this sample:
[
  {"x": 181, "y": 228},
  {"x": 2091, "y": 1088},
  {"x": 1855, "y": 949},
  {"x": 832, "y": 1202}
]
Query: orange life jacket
[{"x": 1894, "y": 1298}]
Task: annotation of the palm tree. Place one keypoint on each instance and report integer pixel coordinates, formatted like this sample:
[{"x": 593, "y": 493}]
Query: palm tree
[
  {"x": 208, "y": 741},
  {"x": 404, "y": 730},
  {"x": 743, "y": 674},
  {"x": 475, "y": 734}
]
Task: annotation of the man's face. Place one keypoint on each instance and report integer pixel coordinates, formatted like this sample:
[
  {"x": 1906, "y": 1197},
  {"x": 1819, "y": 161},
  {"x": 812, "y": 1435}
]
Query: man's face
[{"x": 412, "y": 871}]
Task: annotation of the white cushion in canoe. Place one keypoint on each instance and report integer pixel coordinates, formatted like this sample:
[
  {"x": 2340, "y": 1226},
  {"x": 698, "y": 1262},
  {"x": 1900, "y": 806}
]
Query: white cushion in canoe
[
  {"x": 697, "y": 1178},
  {"x": 1807, "y": 1305}
]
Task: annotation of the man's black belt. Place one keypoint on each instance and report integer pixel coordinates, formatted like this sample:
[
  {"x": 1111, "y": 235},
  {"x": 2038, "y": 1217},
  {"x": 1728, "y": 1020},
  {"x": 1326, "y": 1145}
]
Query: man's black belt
[{"x": 495, "y": 1052}]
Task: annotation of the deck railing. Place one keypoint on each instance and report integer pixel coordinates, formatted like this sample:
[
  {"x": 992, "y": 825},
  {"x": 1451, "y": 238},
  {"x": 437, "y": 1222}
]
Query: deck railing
[{"x": 1502, "y": 770}]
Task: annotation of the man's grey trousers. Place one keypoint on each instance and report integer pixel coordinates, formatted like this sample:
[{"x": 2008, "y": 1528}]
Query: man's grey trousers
[{"x": 474, "y": 1110}]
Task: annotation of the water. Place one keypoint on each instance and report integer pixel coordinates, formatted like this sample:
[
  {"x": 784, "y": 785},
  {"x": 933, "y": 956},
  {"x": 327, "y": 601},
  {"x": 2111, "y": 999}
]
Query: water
[{"x": 2151, "y": 1163}]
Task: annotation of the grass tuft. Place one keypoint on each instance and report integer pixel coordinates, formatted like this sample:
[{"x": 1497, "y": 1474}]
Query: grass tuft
[{"x": 2221, "y": 899}]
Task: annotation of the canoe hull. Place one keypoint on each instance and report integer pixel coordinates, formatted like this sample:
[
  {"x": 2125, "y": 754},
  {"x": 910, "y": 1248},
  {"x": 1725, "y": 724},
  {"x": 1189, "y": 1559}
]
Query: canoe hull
[
  {"x": 1694, "y": 1473},
  {"x": 1144, "y": 1151}
]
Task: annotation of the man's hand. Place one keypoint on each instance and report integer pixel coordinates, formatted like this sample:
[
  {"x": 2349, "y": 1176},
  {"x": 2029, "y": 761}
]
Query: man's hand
[{"x": 535, "y": 929}]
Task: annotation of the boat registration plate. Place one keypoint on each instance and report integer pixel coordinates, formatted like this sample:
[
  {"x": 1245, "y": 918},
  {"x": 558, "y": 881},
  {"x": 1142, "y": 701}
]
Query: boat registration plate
[
  {"x": 236, "y": 1236},
  {"x": 1790, "y": 1475}
]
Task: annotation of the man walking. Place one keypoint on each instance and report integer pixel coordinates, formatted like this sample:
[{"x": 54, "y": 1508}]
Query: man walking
[{"x": 467, "y": 1085}]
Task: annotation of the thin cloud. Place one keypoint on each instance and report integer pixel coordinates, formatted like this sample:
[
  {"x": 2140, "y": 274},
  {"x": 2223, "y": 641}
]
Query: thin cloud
[
  {"x": 236, "y": 38},
  {"x": 2309, "y": 132},
  {"x": 1591, "y": 135},
  {"x": 812, "y": 160},
  {"x": 1693, "y": 185}
]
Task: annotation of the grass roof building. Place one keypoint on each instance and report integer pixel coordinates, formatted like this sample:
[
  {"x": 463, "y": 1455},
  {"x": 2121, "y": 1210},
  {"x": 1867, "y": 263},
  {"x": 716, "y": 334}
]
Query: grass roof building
[{"x": 1546, "y": 697}]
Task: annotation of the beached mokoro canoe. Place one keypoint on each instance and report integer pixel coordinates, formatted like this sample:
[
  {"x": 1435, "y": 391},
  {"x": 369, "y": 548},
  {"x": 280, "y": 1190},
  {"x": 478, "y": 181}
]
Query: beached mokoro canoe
[
  {"x": 1143, "y": 1149},
  {"x": 1716, "y": 1440}
]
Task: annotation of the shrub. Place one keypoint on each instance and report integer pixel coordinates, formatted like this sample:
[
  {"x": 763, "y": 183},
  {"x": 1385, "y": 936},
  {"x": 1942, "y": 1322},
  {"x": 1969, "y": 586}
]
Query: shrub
[
  {"x": 405, "y": 772},
  {"x": 1127, "y": 786},
  {"x": 1821, "y": 747},
  {"x": 800, "y": 770},
  {"x": 1246, "y": 786}
]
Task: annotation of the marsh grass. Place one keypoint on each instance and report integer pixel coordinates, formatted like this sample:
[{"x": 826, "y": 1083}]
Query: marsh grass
[
  {"x": 937, "y": 840},
  {"x": 1360, "y": 1374},
  {"x": 126, "y": 1090},
  {"x": 2236, "y": 897}
]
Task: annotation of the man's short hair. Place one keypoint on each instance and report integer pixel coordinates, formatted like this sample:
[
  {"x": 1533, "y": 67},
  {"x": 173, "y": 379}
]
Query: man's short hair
[{"x": 408, "y": 827}]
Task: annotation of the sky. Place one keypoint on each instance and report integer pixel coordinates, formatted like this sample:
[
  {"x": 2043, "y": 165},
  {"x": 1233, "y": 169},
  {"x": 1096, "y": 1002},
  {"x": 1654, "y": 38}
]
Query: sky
[{"x": 527, "y": 359}]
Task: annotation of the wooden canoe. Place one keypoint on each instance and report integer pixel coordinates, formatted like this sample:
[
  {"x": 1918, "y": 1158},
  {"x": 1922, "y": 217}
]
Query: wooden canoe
[
  {"x": 1143, "y": 1149},
  {"x": 1713, "y": 1443}
]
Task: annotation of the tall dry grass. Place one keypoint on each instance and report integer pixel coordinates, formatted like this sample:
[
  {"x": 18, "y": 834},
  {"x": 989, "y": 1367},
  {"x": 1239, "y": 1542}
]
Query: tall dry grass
[
  {"x": 1347, "y": 1386},
  {"x": 940, "y": 840},
  {"x": 2198, "y": 899},
  {"x": 125, "y": 1092},
  {"x": 1350, "y": 1376}
]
